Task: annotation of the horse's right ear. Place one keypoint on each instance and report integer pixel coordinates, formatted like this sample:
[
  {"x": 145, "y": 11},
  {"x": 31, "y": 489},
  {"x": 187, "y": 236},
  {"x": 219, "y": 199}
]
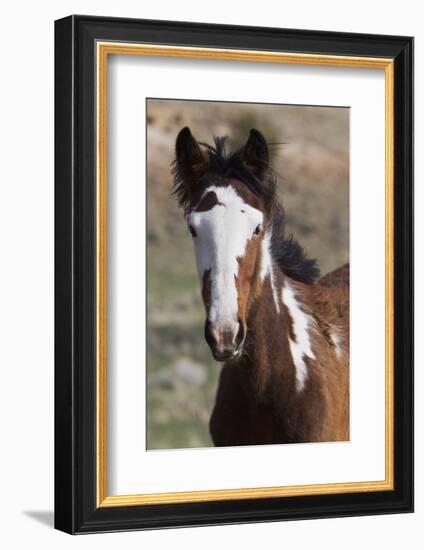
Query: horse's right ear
[
  {"x": 191, "y": 163},
  {"x": 255, "y": 154}
]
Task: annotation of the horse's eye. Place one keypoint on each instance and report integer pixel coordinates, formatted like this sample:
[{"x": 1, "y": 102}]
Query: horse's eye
[
  {"x": 192, "y": 231},
  {"x": 258, "y": 229}
]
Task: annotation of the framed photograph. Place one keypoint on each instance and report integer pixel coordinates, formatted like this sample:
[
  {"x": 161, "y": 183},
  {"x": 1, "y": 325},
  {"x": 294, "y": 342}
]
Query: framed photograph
[{"x": 233, "y": 265}]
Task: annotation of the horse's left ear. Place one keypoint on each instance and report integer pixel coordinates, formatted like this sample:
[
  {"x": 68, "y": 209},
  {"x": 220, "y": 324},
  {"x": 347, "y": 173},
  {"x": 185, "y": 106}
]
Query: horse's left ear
[
  {"x": 255, "y": 153},
  {"x": 191, "y": 162}
]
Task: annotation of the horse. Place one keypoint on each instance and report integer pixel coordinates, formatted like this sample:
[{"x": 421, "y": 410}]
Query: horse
[{"x": 281, "y": 332}]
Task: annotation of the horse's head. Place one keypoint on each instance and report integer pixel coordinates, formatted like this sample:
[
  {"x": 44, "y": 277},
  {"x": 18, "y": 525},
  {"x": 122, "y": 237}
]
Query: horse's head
[{"x": 227, "y": 200}]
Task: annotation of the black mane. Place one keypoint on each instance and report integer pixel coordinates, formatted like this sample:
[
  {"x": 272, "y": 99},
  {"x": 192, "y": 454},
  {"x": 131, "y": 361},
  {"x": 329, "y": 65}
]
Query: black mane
[
  {"x": 287, "y": 253},
  {"x": 224, "y": 165},
  {"x": 231, "y": 165}
]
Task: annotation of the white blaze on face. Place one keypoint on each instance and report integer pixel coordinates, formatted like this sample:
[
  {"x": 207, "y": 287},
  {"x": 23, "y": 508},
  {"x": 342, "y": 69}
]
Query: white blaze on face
[
  {"x": 221, "y": 237},
  {"x": 301, "y": 346}
]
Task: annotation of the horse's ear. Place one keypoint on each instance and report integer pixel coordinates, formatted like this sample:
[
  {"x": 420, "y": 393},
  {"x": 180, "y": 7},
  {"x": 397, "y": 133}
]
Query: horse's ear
[
  {"x": 191, "y": 160},
  {"x": 255, "y": 154}
]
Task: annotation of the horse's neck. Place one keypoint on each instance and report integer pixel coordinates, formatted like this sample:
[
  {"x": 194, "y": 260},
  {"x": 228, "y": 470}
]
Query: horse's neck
[{"x": 267, "y": 345}]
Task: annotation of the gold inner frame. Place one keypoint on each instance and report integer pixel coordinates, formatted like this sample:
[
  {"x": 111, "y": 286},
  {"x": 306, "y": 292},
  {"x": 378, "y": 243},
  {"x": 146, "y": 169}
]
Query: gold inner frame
[{"x": 104, "y": 49}]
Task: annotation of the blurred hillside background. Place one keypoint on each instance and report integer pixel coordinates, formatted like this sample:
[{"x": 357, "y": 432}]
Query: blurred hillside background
[{"x": 313, "y": 164}]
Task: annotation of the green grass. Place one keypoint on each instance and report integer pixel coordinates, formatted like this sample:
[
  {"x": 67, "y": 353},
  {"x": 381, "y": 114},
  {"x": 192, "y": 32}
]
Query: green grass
[{"x": 177, "y": 409}]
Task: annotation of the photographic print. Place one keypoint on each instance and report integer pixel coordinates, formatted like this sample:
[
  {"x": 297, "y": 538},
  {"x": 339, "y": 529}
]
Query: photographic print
[
  {"x": 233, "y": 229},
  {"x": 247, "y": 274}
]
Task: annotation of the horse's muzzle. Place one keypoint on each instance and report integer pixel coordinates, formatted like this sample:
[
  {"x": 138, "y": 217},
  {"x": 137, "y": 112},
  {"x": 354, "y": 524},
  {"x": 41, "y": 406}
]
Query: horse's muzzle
[{"x": 225, "y": 342}]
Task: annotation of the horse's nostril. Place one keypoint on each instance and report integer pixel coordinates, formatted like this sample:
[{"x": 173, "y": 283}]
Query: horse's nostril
[
  {"x": 211, "y": 335},
  {"x": 224, "y": 341}
]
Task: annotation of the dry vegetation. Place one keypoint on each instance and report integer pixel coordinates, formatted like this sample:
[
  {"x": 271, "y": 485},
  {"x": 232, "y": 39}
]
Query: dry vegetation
[{"x": 312, "y": 161}]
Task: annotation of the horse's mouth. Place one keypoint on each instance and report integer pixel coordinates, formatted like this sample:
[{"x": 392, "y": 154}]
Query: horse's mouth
[{"x": 225, "y": 356}]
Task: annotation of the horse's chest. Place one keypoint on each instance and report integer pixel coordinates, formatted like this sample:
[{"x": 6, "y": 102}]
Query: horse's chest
[{"x": 266, "y": 426}]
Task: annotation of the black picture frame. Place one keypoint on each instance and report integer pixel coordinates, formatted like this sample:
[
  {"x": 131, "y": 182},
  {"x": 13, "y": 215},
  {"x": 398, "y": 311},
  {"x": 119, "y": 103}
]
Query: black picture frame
[{"x": 76, "y": 509}]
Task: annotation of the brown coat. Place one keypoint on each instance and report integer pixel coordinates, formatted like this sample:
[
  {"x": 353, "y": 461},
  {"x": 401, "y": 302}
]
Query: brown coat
[{"x": 257, "y": 401}]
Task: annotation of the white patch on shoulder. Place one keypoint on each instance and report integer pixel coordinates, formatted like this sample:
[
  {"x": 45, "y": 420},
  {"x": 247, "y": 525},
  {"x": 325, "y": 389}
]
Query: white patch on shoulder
[
  {"x": 267, "y": 268},
  {"x": 337, "y": 340},
  {"x": 302, "y": 322},
  {"x": 218, "y": 253}
]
